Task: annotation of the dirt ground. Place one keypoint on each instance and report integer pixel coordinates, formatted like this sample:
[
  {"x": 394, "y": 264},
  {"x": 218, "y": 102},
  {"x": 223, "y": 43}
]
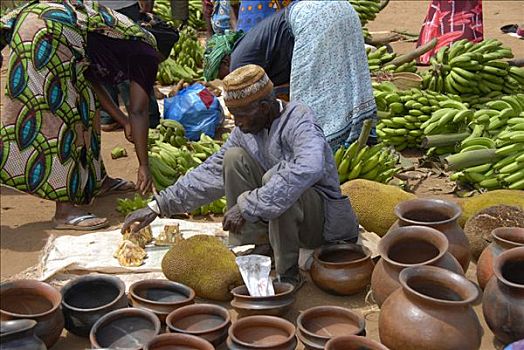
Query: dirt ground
[{"x": 25, "y": 220}]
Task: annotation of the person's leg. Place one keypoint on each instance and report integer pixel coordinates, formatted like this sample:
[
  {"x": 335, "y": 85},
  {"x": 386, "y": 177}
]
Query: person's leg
[
  {"x": 105, "y": 118},
  {"x": 241, "y": 174},
  {"x": 154, "y": 112}
]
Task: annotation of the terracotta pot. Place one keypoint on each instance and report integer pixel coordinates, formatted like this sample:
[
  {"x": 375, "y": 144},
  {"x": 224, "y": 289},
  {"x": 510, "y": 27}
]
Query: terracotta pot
[
  {"x": 432, "y": 311},
  {"x": 85, "y": 299},
  {"x": 406, "y": 247},
  {"x": 262, "y": 333},
  {"x": 275, "y": 305},
  {"x": 34, "y": 300},
  {"x": 440, "y": 215},
  {"x": 317, "y": 325},
  {"x": 127, "y": 328},
  {"x": 504, "y": 238},
  {"x": 342, "y": 269},
  {"x": 353, "y": 342},
  {"x": 208, "y": 321},
  {"x": 178, "y": 341},
  {"x": 20, "y": 335},
  {"x": 503, "y": 301},
  {"x": 160, "y": 296}
]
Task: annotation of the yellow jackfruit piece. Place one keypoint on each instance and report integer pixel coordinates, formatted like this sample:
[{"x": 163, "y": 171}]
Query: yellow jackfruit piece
[
  {"x": 205, "y": 264},
  {"x": 374, "y": 203},
  {"x": 470, "y": 206}
]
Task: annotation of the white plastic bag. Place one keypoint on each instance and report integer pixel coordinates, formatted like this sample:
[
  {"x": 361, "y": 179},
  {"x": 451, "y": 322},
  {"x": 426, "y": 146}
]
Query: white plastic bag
[{"x": 255, "y": 271}]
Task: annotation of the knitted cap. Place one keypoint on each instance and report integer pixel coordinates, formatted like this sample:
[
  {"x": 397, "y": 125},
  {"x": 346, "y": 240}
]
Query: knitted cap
[{"x": 245, "y": 85}]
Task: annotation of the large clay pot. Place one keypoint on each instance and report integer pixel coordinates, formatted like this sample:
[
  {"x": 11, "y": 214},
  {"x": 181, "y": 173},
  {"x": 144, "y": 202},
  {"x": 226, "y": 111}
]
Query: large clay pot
[
  {"x": 20, "y": 335},
  {"x": 440, "y": 215},
  {"x": 342, "y": 269},
  {"x": 432, "y": 311},
  {"x": 503, "y": 300},
  {"x": 406, "y": 247},
  {"x": 353, "y": 342},
  {"x": 35, "y": 300},
  {"x": 178, "y": 341},
  {"x": 504, "y": 238},
  {"x": 262, "y": 333},
  {"x": 85, "y": 299},
  {"x": 274, "y": 305}
]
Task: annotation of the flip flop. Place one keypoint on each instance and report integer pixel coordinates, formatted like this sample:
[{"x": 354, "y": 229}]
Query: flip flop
[
  {"x": 73, "y": 224},
  {"x": 117, "y": 188}
]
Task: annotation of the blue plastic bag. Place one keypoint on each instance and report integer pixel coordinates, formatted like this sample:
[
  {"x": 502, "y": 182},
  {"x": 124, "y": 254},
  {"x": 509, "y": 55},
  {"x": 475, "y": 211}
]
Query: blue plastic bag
[{"x": 197, "y": 109}]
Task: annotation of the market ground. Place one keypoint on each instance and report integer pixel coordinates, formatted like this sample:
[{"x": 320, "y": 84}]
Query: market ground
[{"x": 25, "y": 220}]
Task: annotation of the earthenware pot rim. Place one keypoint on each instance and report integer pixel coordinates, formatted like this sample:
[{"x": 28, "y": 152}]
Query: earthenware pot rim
[
  {"x": 399, "y": 211},
  {"x": 349, "y": 338},
  {"x": 410, "y": 229},
  {"x": 119, "y": 284},
  {"x": 289, "y": 290},
  {"x": 322, "y": 249},
  {"x": 26, "y": 324},
  {"x": 503, "y": 258},
  {"x": 137, "y": 284},
  {"x": 308, "y": 343},
  {"x": 30, "y": 284},
  {"x": 453, "y": 278},
  {"x": 499, "y": 233},
  {"x": 166, "y": 336},
  {"x": 273, "y": 320},
  {"x": 300, "y": 318},
  {"x": 223, "y": 312},
  {"x": 130, "y": 311}
]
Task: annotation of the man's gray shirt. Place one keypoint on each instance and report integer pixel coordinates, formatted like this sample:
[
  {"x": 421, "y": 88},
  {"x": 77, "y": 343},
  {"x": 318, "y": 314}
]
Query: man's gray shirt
[{"x": 298, "y": 157}]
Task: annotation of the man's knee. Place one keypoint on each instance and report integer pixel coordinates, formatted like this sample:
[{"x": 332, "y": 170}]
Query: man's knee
[{"x": 233, "y": 157}]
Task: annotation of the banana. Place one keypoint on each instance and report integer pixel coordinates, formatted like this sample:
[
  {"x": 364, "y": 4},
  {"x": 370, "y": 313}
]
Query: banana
[{"x": 482, "y": 141}]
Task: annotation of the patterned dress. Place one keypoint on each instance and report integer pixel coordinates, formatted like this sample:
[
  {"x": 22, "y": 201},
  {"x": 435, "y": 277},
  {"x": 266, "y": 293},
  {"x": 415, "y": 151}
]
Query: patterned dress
[
  {"x": 251, "y": 12},
  {"x": 49, "y": 145}
]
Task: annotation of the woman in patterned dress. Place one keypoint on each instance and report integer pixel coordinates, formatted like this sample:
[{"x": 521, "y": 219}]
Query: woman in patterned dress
[{"x": 60, "y": 53}]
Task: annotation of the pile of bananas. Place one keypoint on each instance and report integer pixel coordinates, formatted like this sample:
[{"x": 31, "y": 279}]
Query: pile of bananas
[
  {"x": 168, "y": 131},
  {"x": 187, "y": 52},
  {"x": 170, "y": 72},
  {"x": 376, "y": 163},
  {"x": 162, "y": 8},
  {"x": 468, "y": 68},
  {"x": 217, "y": 207},
  {"x": 367, "y": 11},
  {"x": 379, "y": 59}
]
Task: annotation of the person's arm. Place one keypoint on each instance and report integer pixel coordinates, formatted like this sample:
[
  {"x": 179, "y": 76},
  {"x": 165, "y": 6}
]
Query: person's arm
[{"x": 146, "y": 5}]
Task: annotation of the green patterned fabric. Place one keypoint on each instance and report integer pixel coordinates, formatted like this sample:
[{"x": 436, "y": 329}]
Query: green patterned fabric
[{"x": 49, "y": 144}]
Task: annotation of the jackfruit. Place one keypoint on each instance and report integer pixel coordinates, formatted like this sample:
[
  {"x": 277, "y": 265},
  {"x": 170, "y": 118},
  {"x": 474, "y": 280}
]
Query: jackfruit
[
  {"x": 474, "y": 204},
  {"x": 205, "y": 264},
  {"x": 169, "y": 236},
  {"x": 141, "y": 238},
  {"x": 374, "y": 203},
  {"x": 478, "y": 228},
  {"x": 130, "y": 254}
]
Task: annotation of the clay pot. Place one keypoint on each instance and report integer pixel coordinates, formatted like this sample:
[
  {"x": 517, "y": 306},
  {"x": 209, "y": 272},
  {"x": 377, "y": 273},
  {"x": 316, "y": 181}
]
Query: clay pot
[
  {"x": 160, "y": 296},
  {"x": 275, "y": 305},
  {"x": 262, "y": 333},
  {"x": 342, "y": 269},
  {"x": 178, "y": 341},
  {"x": 85, "y": 299},
  {"x": 440, "y": 215},
  {"x": 34, "y": 300},
  {"x": 20, "y": 335},
  {"x": 405, "y": 247},
  {"x": 317, "y": 325},
  {"x": 503, "y": 300},
  {"x": 504, "y": 238},
  {"x": 432, "y": 311},
  {"x": 127, "y": 328},
  {"x": 207, "y": 321},
  {"x": 353, "y": 342}
]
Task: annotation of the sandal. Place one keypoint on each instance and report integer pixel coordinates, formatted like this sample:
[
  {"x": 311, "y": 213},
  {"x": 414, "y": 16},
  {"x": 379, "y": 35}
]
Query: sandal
[
  {"x": 120, "y": 186},
  {"x": 73, "y": 224}
]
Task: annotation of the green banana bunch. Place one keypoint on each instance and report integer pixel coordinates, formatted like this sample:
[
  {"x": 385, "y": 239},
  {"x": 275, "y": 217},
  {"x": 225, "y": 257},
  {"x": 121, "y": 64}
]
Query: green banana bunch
[
  {"x": 170, "y": 72},
  {"x": 188, "y": 52},
  {"x": 168, "y": 131},
  {"x": 217, "y": 207},
  {"x": 367, "y": 9},
  {"x": 162, "y": 8},
  {"x": 379, "y": 59}
]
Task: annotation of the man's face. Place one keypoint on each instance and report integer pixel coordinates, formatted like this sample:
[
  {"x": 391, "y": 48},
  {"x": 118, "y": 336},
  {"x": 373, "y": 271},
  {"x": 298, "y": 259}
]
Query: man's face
[{"x": 251, "y": 119}]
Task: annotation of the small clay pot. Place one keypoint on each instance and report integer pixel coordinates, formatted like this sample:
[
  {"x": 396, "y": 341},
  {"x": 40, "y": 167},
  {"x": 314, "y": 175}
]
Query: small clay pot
[
  {"x": 129, "y": 328},
  {"x": 503, "y": 300},
  {"x": 35, "y": 300},
  {"x": 160, "y": 296},
  {"x": 504, "y": 238},
  {"x": 207, "y": 321},
  {"x": 87, "y": 298},
  {"x": 262, "y": 333},
  {"x": 20, "y": 335},
  {"x": 178, "y": 341},
  {"x": 440, "y": 215},
  {"x": 275, "y": 305},
  {"x": 342, "y": 269},
  {"x": 317, "y": 325},
  {"x": 406, "y": 247},
  {"x": 353, "y": 342},
  {"x": 432, "y": 311}
]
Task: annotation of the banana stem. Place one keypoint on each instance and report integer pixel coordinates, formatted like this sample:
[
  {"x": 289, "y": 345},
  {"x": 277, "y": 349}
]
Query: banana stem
[
  {"x": 472, "y": 158},
  {"x": 443, "y": 140},
  {"x": 364, "y": 133},
  {"x": 414, "y": 54},
  {"x": 383, "y": 4}
]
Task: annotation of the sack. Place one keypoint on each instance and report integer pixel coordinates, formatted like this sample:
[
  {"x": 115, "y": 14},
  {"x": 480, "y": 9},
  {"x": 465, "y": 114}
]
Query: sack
[{"x": 197, "y": 109}]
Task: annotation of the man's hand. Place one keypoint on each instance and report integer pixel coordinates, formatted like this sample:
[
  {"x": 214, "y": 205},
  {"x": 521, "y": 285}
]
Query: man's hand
[
  {"x": 144, "y": 183},
  {"x": 143, "y": 217},
  {"x": 233, "y": 220}
]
